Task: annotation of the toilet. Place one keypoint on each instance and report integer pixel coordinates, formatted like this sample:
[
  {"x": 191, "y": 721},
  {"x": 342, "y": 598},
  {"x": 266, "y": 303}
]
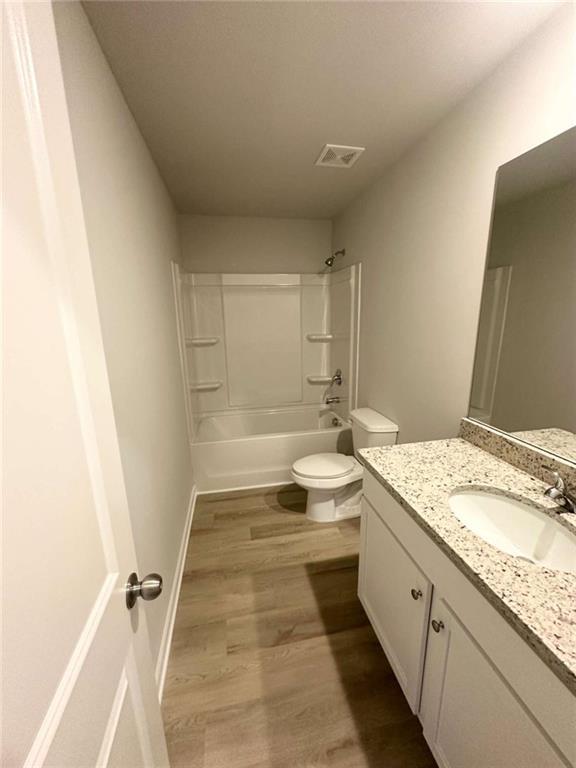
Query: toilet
[{"x": 334, "y": 480}]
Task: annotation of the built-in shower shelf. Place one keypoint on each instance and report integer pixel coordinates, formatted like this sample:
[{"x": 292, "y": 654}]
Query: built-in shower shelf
[
  {"x": 319, "y": 337},
  {"x": 319, "y": 379},
  {"x": 205, "y": 386},
  {"x": 202, "y": 341}
]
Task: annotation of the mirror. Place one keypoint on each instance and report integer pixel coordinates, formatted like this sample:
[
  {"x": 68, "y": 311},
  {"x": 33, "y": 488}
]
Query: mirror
[{"x": 524, "y": 380}]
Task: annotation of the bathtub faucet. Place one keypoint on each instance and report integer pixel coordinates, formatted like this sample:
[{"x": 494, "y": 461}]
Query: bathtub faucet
[{"x": 332, "y": 400}]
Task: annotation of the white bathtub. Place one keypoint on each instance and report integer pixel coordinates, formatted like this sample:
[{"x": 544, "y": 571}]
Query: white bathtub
[{"x": 250, "y": 449}]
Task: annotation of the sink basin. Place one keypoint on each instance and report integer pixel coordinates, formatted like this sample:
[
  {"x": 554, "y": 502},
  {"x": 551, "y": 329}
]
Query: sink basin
[{"x": 516, "y": 527}]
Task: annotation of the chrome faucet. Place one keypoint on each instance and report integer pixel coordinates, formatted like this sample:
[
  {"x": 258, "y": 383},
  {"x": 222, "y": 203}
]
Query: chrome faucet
[
  {"x": 336, "y": 379},
  {"x": 559, "y": 493}
]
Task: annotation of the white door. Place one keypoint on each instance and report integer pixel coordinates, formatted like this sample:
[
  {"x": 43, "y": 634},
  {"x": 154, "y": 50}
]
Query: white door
[
  {"x": 396, "y": 596},
  {"x": 77, "y": 678}
]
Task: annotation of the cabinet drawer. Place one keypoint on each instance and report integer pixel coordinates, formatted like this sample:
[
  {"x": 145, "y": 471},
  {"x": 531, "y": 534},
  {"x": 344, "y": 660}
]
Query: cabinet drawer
[{"x": 396, "y": 596}]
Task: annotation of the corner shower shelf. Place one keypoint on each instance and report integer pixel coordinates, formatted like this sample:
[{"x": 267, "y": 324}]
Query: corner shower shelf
[
  {"x": 205, "y": 386},
  {"x": 319, "y": 337},
  {"x": 202, "y": 341},
  {"x": 319, "y": 379}
]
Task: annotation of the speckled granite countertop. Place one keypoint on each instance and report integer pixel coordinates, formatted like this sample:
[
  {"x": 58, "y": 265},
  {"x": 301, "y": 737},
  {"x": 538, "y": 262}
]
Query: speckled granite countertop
[
  {"x": 558, "y": 441},
  {"x": 539, "y": 603}
]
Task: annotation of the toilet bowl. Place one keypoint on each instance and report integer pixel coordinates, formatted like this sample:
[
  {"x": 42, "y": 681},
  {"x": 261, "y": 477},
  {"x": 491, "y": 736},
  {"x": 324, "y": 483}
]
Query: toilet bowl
[{"x": 334, "y": 480}]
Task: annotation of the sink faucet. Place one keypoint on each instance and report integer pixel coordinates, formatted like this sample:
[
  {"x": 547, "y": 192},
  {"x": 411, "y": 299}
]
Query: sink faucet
[
  {"x": 559, "y": 493},
  {"x": 331, "y": 400}
]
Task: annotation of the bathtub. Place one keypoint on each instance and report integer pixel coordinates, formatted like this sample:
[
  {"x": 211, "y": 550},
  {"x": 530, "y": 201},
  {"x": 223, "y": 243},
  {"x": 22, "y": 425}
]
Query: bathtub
[{"x": 255, "y": 448}]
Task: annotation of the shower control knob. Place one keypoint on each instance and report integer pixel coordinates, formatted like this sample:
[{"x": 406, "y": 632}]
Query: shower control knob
[{"x": 148, "y": 589}]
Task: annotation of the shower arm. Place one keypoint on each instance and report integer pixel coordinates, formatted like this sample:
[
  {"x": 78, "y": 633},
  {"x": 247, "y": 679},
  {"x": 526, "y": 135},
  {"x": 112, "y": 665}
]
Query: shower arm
[{"x": 330, "y": 260}]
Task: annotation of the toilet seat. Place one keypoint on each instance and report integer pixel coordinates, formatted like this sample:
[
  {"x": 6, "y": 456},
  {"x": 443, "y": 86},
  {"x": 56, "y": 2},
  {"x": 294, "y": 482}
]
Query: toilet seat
[
  {"x": 338, "y": 471},
  {"x": 324, "y": 466}
]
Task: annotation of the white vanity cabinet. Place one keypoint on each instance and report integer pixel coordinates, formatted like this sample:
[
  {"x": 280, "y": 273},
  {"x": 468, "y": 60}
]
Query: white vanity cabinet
[
  {"x": 485, "y": 699},
  {"x": 396, "y": 597},
  {"x": 470, "y": 714}
]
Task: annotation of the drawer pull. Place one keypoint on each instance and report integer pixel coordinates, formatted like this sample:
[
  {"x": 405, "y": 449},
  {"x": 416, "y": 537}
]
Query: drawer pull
[
  {"x": 437, "y": 625},
  {"x": 416, "y": 593}
]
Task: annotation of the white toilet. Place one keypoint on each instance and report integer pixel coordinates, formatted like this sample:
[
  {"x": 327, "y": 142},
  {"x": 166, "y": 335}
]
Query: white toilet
[{"x": 333, "y": 480}]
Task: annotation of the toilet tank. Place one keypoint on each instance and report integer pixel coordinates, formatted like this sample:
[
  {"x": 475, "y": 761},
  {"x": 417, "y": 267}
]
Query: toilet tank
[{"x": 371, "y": 429}]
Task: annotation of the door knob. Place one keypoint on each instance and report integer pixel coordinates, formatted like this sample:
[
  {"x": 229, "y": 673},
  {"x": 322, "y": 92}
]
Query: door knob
[
  {"x": 437, "y": 625},
  {"x": 416, "y": 593},
  {"x": 148, "y": 589}
]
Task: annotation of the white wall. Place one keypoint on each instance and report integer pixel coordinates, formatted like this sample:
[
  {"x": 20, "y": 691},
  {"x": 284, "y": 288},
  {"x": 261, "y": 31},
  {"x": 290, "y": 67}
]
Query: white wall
[
  {"x": 421, "y": 234},
  {"x": 133, "y": 236},
  {"x": 537, "y": 236},
  {"x": 254, "y": 245}
]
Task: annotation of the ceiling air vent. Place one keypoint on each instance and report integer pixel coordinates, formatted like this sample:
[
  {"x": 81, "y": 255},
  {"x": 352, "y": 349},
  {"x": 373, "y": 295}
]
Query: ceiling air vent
[{"x": 336, "y": 156}]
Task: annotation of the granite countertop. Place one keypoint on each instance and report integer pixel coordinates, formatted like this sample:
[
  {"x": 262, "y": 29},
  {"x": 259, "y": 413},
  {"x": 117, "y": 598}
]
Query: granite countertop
[
  {"x": 558, "y": 441},
  {"x": 539, "y": 603}
]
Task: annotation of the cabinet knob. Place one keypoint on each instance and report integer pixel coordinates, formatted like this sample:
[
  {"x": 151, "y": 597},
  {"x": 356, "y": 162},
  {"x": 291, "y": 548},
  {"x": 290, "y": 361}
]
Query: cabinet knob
[
  {"x": 416, "y": 593},
  {"x": 437, "y": 625}
]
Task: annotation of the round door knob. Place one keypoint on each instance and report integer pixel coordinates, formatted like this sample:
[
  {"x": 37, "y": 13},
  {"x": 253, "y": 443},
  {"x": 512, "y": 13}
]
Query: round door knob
[
  {"x": 437, "y": 625},
  {"x": 416, "y": 593},
  {"x": 148, "y": 589}
]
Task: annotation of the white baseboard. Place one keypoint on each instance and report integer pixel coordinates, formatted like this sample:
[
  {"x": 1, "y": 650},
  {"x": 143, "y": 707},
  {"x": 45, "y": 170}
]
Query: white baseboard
[{"x": 162, "y": 663}]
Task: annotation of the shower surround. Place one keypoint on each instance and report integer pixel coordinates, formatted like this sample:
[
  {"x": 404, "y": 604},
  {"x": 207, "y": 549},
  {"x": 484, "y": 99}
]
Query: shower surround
[{"x": 260, "y": 351}]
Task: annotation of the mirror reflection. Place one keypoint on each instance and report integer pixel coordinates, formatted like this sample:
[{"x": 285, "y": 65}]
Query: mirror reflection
[{"x": 524, "y": 378}]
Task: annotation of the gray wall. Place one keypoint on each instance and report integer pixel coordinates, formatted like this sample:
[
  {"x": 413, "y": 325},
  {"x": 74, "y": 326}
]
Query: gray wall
[
  {"x": 133, "y": 236},
  {"x": 536, "y": 382},
  {"x": 254, "y": 245},
  {"x": 421, "y": 234}
]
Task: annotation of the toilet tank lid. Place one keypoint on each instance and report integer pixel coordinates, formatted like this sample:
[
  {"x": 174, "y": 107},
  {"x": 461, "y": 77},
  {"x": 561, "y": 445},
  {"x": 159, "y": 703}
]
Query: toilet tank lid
[{"x": 372, "y": 421}]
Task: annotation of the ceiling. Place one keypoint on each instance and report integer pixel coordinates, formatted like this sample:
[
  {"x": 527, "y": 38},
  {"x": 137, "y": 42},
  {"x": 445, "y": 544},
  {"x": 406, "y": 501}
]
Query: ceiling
[{"x": 236, "y": 99}]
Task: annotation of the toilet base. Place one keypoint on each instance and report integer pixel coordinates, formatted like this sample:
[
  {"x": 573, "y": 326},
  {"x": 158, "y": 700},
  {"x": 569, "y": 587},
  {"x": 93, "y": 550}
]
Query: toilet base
[{"x": 329, "y": 506}]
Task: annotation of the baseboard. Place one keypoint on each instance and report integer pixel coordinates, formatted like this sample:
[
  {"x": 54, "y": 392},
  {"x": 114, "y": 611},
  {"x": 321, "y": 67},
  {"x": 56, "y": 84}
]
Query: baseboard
[{"x": 162, "y": 663}]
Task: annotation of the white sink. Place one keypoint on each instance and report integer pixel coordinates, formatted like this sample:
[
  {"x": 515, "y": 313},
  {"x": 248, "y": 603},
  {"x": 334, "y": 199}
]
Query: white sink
[{"x": 516, "y": 527}]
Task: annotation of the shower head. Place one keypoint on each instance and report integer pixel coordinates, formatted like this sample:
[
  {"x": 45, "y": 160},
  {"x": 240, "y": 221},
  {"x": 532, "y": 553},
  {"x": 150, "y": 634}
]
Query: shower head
[{"x": 331, "y": 259}]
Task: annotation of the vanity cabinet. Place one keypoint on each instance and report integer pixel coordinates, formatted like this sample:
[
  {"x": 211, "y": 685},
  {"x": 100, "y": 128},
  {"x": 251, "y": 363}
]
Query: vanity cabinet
[
  {"x": 396, "y": 597},
  {"x": 470, "y": 715},
  {"x": 484, "y": 698}
]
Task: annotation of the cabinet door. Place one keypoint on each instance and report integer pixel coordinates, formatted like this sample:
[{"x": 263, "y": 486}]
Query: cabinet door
[
  {"x": 471, "y": 716},
  {"x": 396, "y": 596}
]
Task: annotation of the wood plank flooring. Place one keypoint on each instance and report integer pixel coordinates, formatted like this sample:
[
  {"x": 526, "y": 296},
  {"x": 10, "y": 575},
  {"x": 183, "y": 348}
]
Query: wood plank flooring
[{"x": 273, "y": 663}]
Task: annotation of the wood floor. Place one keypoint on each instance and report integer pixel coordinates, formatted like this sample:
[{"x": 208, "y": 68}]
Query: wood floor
[{"x": 273, "y": 662}]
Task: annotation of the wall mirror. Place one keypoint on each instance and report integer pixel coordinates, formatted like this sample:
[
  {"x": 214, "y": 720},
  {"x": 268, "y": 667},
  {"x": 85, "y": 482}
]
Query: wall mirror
[{"x": 524, "y": 380}]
